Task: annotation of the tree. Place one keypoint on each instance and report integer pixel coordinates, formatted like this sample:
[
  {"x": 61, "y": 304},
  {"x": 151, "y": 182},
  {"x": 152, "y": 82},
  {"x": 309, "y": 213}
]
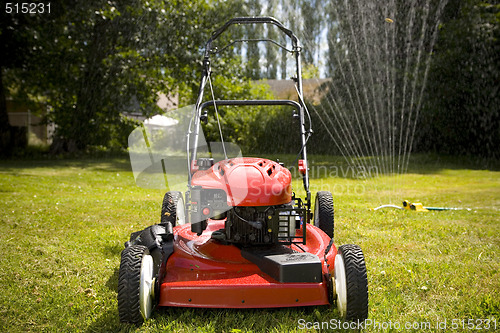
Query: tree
[
  {"x": 462, "y": 114},
  {"x": 96, "y": 59},
  {"x": 271, "y": 51},
  {"x": 311, "y": 30},
  {"x": 16, "y": 47},
  {"x": 254, "y": 31}
]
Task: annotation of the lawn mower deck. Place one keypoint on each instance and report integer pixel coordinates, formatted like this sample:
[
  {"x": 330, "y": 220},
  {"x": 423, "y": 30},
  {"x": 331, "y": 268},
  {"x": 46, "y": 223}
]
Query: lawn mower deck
[{"x": 204, "y": 273}]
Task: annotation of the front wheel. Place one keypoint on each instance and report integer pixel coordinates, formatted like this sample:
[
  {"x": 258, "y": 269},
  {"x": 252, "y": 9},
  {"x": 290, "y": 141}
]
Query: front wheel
[
  {"x": 323, "y": 212},
  {"x": 172, "y": 209},
  {"x": 351, "y": 283},
  {"x": 135, "y": 285}
]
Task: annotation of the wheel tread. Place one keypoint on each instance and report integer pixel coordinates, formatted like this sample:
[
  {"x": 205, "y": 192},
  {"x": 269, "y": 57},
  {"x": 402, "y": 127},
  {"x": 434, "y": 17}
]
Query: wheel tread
[
  {"x": 357, "y": 282},
  {"x": 169, "y": 207},
  {"x": 128, "y": 284},
  {"x": 325, "y": 220}
]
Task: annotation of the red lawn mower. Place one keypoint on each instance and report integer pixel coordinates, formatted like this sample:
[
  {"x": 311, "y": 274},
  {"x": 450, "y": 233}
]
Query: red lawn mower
[{"x": 237, "y": 236}]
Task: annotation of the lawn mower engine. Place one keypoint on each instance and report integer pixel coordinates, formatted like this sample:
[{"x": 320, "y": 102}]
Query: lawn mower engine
[{"x": 252, "y": 195}]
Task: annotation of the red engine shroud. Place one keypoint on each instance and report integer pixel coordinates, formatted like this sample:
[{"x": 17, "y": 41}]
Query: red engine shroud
[
  {"x": 204, "y": 273},
  {"x": 248, "y": 181}
]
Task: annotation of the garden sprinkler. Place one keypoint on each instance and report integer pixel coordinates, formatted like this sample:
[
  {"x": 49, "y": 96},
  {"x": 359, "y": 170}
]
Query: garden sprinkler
[{"x": 418, "y": 207}]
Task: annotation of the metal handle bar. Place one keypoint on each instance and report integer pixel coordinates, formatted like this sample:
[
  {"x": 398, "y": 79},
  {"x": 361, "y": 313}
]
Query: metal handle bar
[
  {"x": 251, "y": 40},
  {"x": 251, "y": 20},
  {"x": 250, "y": 102}
]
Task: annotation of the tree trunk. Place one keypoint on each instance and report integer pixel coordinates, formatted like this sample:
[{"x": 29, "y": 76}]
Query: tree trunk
[{"x": 5, "y": 128}]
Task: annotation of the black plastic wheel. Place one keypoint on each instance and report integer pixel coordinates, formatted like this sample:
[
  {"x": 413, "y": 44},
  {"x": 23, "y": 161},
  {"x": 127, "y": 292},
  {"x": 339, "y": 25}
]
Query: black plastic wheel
[
  {"x": 324, "y": 212},
  {"x": 356, "y": 283},
  {"x": 171, "y": 201},
  {"x": 129, "y": 280}
]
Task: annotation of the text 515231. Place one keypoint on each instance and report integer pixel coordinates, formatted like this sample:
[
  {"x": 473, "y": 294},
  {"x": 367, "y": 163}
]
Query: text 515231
[{"x": 27, "y": 8}]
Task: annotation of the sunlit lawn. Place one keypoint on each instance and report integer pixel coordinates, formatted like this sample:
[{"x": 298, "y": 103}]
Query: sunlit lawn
[{"x": 63, "y": 224}]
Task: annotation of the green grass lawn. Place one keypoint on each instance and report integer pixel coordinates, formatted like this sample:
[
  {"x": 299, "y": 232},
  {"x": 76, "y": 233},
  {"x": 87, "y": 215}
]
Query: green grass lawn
[{"x": 63, "y": 224}]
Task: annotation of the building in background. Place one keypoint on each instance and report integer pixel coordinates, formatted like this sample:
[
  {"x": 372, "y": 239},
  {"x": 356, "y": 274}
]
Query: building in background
[{"x": 22, "y": 116}]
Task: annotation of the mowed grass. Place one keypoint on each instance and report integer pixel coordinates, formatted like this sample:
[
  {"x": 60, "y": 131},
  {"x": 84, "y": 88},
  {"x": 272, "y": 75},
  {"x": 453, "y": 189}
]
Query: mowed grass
[{"x": 63, "y": 224}]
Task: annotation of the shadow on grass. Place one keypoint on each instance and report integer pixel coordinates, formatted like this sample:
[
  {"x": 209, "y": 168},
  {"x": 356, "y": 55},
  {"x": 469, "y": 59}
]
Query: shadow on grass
[
  {"x": 368, "y": 167},
  {"x": 215, "y": 320},
  {"x": 226, "y": 320},
  {"x": 108, "y": 322},
  {"x": 169, "y": 319},
  {"x": 430, "y": 163},
  {"x": 112, "y": 282},
  {"x": 113, "y": 164},
  {"x": 320, "y": 165},
  {"x": 113, "y": 250}
]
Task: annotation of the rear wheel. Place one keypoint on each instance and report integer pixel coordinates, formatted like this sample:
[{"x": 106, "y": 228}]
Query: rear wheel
[
  {"x": 135, "y": 285},
  {"x": 323, "y": 212},
  {"x": 351, "y": 283},
  {"x": 173, "y": 208}
]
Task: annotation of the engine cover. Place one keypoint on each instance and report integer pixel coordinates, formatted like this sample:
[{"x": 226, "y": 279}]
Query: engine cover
[{"x": 248, "y": 181}]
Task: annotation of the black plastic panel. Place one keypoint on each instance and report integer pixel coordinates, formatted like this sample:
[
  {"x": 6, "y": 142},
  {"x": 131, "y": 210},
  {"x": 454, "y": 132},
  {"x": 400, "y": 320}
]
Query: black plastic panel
[{"x": 284, "y": 265}]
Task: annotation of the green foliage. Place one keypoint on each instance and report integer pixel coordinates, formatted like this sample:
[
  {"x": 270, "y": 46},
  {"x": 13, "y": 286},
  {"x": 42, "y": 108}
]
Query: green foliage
[
  {"x": 244, "y": 126},
  {"x": 254, "y": 129},
  {"x": 252, "y": 63},
  {"x": 462, "y": 110},
  {"x": 311, "y": 28},
  {"x": 310, "y": 71},
  {"x": 413, "y": 75},
  {"x": 92, "y": 61},
  {"x": 88, "y": 62},
  {"x": 121, "y": 131}
]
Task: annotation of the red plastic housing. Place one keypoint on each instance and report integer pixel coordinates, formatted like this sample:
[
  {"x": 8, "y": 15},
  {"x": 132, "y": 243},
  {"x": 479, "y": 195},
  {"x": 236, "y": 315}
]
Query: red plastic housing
[
  {"x": 204, "y": 273},
  {"x": 248, "y": 181},
  {"x": 302, "y": 167}
]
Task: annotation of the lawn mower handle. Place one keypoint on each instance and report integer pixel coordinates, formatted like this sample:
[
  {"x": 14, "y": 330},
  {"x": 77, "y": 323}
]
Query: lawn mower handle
[
  {"x": 251, "y": 102},
  {"x": 296, "y": 50},
  {"x": 251, "y": 20}
]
